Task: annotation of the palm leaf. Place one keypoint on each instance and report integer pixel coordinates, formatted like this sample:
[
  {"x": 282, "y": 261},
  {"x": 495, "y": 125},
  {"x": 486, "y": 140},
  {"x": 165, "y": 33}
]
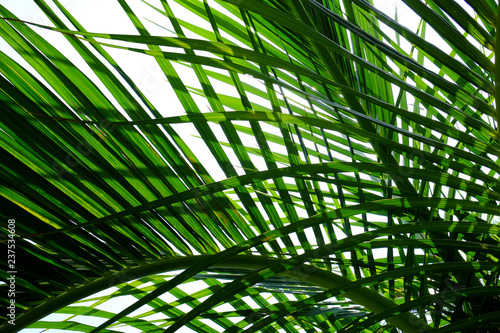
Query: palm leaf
[{"x": 298, "y": 166}]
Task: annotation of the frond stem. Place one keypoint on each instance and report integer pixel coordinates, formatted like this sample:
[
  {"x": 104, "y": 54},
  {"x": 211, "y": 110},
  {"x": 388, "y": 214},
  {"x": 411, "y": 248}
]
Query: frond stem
[{"x": 326, "y": 279}]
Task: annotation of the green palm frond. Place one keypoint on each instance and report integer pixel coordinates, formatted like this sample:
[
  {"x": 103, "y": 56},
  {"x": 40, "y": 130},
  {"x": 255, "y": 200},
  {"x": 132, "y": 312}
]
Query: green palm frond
[{"x": 276, "y": 166}]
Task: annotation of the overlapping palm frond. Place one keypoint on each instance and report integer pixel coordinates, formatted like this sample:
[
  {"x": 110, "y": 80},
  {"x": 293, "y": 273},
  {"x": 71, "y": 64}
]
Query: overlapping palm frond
[{"x": 309, "y": 166}]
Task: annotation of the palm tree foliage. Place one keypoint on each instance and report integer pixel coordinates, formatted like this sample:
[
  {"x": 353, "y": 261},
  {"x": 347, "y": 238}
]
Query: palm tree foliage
[{"x": 316, "y": 165}]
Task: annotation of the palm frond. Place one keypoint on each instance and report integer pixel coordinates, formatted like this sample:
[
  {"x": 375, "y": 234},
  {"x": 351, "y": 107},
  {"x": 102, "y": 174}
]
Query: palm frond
[{"x": 297, "y": 166}]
